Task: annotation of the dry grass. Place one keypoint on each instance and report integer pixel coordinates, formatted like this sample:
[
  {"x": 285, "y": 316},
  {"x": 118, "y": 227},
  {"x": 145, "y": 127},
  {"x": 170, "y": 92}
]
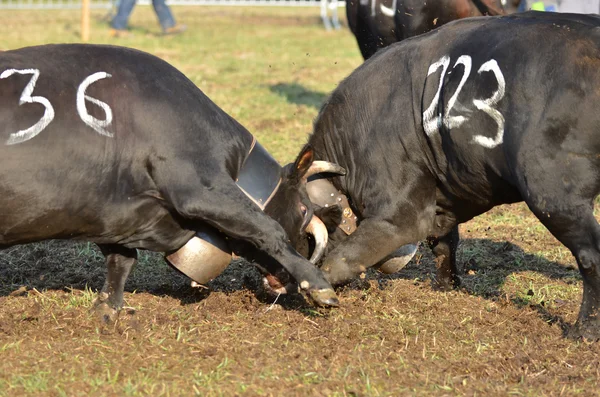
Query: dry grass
[{"x": 501, "y": 334}]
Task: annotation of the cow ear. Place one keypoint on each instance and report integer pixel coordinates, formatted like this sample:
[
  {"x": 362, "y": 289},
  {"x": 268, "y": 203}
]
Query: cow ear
[{"x": 303, "y": 162}]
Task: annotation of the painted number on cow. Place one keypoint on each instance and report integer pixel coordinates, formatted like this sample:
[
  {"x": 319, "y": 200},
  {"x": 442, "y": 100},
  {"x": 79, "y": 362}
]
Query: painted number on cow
[
  {"x": 26, "y": 97},
  {"x": 28, "y": 133},
  {"x": 433, "y": 119},
  {"x": 97, "y": 125}
]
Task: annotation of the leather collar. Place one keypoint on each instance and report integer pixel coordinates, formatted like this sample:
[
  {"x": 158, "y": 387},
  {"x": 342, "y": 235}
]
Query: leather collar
[
  {"x": 260, "y": 175},
  {"x": 323, "y": 193}
]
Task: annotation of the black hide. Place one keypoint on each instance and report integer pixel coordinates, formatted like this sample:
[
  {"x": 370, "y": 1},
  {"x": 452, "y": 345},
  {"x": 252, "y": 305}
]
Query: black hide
[
  {"x": 483, "y": 111},
  {"x": 378, "y": 24},
  {"x": 137, "y": 158}
]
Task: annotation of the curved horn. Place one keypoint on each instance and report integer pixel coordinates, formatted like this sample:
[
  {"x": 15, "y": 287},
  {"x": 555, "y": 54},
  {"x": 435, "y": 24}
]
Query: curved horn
[
  {"x": 317, "y": 228},
  {"x": 319, "y": 166}
]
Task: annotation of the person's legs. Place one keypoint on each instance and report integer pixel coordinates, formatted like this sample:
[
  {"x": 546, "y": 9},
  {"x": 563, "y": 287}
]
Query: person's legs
[
  {"x": 163, "y": 12},
  {"x": 119, "y": 22}
]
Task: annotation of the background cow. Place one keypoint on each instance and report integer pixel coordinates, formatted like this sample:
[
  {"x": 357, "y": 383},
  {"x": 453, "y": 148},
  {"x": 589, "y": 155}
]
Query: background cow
[
  {"x": 439, "y": 129},
  {"x": 378, "y": 23},
  {"x": 123, "y": 150}
]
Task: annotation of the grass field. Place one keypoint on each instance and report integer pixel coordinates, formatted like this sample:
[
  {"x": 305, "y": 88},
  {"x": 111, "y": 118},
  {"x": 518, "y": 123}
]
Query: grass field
[{"x": 502, "y": 334}]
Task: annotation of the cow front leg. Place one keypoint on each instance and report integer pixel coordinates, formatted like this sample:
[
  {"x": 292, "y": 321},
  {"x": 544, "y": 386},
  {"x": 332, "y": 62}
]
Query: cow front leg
[
  {"x": 444, "y": 249},
  {"x": 119, "y": 262},
  {"x": 223, "y": 205},
  {"x": 374, "y": 240}
]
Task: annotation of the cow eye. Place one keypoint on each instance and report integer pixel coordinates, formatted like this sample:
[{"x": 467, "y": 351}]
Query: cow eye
[{"x": 304, "y": 210}]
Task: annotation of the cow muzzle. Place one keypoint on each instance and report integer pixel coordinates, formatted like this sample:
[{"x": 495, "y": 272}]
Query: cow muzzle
[{"x": 203, "y": 257}]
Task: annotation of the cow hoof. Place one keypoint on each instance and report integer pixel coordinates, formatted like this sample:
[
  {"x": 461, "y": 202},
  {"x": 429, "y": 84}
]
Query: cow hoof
[
  {"x": 324, "y": 297},
  {"x": 445, "y": 285},
  {"x": 399, "y": 259},
  {"x": 106, "y": 314},
  {"x": 393, "y": 265},
  {"x": 587, "y": 331}
]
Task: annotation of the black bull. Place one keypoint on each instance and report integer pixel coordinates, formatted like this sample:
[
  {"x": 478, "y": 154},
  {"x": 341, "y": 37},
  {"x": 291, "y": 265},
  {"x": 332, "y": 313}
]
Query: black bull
[
  {"x": 442, "y": 127},
  {"x": 115, "y": 146},
  {"x": 378, "y": 23}
]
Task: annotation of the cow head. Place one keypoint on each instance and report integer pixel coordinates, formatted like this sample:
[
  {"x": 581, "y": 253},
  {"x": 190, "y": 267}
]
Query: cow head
[
  {"x": 292, "y": 208},
  {"x": 281, "y": 192}
]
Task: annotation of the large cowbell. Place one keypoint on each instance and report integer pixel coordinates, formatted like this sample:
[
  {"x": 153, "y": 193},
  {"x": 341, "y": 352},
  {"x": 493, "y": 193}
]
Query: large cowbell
[{"x": 207, "y": 254}]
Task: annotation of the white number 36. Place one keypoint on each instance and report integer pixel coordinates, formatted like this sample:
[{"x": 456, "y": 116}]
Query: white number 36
[{"x": 26, "y": 97}]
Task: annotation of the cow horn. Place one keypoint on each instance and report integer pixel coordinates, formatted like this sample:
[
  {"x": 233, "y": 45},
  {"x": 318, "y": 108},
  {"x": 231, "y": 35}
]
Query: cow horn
[
  {"x": 317, "y": 228},
  {"x": 319, "y": 166}
]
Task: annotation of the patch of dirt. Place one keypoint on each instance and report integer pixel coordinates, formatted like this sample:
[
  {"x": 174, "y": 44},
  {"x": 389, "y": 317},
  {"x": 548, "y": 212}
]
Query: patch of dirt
[{"x": 392, "y": 335}]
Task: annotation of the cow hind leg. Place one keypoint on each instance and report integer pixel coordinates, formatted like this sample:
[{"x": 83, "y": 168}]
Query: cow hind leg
[
  {"x": 444, "y": 249},
  {"x": 119, "y": 262},
  {"x": 576, "y": 227}
]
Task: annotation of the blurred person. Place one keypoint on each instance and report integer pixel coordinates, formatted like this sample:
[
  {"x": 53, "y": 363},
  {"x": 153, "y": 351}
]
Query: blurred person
[
  {"x": 580, "y": 6},
  {"x": 162, "y": 10},
  {"x": 574, "y": 6}
]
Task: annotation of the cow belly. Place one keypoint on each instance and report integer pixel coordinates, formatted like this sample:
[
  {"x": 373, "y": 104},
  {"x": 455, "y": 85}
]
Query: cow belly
[{"x": 141, "y": 224}]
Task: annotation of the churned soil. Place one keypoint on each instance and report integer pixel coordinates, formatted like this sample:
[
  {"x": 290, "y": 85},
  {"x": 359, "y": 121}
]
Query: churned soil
[{"x": 501, "y": 333}]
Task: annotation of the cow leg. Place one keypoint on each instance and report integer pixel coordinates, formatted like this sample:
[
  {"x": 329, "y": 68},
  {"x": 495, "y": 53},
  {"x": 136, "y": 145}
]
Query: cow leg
[
  {"x": 579, "y": 231},
  {"x": 119, "y": 262},
  {"x": 395, "y": 219},
  {"x": 374, "y": 240},
  {"x": 444, "y": 249},
  {"x": 223, "y": 205}
]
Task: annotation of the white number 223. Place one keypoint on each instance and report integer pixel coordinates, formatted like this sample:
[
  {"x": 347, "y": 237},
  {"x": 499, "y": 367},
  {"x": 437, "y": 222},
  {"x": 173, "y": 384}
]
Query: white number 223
[{"x": 432, "y": 122}]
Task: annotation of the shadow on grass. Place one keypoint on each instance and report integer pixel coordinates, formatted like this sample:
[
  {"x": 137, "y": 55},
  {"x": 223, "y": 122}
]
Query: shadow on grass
[
  {"x": 65, "y": 265},
  {"x": 484, "y": 266},
  {"x": 297, "y": 94}
]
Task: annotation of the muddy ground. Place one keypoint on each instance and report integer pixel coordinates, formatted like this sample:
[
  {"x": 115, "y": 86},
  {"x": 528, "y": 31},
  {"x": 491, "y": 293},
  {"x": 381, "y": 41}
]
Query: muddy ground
[{"x": 503, "y": 333}]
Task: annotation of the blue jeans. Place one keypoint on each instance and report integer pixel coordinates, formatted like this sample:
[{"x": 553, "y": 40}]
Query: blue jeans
[{"x": 165, "y": 17}]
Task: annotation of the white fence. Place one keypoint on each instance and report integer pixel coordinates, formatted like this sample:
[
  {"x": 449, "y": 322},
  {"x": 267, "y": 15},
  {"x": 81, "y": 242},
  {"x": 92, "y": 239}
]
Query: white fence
[{"x": 70, "y": 4}]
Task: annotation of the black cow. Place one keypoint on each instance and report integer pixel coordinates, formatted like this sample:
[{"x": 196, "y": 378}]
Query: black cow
[
  {"x": 442, "y": 127},
  {"x": 115, "y": 146},
  {"x": 377, "y": 24}
]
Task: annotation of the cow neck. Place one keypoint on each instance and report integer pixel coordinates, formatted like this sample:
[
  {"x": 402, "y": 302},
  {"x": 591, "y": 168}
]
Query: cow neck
[{"x": 260, "y": 175}]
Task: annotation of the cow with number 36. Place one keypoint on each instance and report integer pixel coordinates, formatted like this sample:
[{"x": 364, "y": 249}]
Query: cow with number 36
[
  {"x": 115, "y": 146},
  {"x": 440, "y": 128}
]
